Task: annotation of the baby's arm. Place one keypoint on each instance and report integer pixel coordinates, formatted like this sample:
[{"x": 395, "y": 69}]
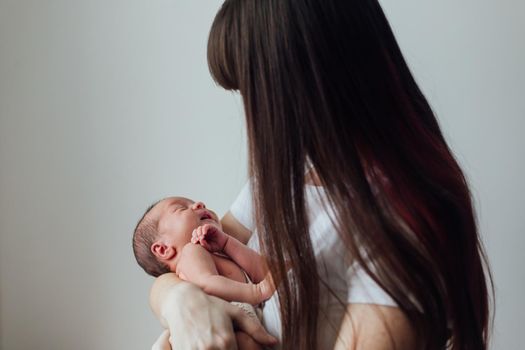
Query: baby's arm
[
  {"x": 197, "y": 266},
  {"x": 216, "y": 240},
  {"x": 248, "y": 259}
]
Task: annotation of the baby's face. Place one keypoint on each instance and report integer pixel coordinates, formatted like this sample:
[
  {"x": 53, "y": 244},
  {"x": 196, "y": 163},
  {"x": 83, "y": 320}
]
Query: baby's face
[{"x": 179, "y": 216}]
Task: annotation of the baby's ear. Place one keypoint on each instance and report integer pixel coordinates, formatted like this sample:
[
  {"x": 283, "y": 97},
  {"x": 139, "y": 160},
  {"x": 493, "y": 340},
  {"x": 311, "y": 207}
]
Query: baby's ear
[{"x": 163, "y": 251}]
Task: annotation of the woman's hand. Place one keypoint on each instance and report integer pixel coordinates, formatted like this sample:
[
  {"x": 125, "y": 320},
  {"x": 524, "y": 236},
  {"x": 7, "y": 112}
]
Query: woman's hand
[{"x": 196, "y": 320}]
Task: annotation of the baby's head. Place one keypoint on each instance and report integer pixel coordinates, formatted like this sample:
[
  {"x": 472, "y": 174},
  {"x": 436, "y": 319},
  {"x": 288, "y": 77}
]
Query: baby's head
[{"x": 164, "y": 229}]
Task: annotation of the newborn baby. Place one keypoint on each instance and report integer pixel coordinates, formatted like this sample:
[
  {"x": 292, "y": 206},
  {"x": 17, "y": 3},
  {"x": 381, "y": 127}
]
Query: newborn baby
[{"x": 179, "y": 235}]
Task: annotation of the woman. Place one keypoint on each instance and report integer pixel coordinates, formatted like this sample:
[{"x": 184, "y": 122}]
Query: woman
[{"x": 324, "y": 83}]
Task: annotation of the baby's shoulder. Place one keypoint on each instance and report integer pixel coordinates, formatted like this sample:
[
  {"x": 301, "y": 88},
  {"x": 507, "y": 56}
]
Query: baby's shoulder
[
  {"x": 193, "y": 257},
  {"x": 192, "y": 250}
]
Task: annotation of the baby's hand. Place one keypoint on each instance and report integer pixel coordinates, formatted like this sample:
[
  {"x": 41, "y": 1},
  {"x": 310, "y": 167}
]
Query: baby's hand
[
  {"x": 266, "y": 288},
  {"x": 210, "y": 237}
]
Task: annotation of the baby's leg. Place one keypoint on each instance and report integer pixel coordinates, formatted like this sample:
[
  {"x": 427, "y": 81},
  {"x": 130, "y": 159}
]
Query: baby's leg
[{"x": 245, "y": 342}]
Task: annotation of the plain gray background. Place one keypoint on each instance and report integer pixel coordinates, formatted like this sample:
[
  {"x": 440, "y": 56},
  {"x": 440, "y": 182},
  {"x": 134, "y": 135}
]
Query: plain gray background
[{"x": 107, "y": 106}]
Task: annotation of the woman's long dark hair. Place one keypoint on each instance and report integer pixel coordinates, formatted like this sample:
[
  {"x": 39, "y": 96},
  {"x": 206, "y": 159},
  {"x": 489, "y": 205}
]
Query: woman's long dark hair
[{"x": 325, "y": 80}]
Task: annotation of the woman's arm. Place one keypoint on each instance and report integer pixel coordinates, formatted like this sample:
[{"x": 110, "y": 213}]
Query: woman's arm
[
  {"x": 375, "y": 327},
  {"x": 234, "y": 228},
  {"x": 196, "y": 320}
]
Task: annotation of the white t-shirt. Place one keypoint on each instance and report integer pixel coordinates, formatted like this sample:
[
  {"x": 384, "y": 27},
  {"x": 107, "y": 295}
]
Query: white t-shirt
[{"x": 348, "y": 281}]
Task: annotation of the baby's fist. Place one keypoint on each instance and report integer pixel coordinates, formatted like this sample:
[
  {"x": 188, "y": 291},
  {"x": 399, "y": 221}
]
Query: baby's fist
[{"x": 210, "y": 237}]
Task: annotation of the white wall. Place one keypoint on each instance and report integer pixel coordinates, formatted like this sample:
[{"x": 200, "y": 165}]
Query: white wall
[{"x": 106, "y": 106}]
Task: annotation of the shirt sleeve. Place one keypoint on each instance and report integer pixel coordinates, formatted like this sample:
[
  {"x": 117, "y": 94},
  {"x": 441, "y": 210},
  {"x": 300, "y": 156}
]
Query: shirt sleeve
[
  {"x": 242, "y": 207},
  {"x": 364, "y": 290}
]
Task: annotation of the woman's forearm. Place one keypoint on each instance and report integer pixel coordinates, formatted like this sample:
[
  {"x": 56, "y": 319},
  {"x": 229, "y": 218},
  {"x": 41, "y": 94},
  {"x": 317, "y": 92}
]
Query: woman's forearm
[
  {"x": 161, "y": 294},
  {"x": 195, "y": 319}
]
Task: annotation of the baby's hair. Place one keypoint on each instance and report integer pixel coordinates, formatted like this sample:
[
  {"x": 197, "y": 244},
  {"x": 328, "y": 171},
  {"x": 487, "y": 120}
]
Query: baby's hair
[{"x": 145, "y": 234}]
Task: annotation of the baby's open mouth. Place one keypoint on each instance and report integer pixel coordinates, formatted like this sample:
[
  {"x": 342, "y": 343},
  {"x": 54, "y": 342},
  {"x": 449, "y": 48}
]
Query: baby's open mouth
[{"x": 206, "y": 216}]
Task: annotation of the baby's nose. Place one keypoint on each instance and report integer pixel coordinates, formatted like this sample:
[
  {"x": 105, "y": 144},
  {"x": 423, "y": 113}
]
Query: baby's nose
[{"x": 198, "y": 205}]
